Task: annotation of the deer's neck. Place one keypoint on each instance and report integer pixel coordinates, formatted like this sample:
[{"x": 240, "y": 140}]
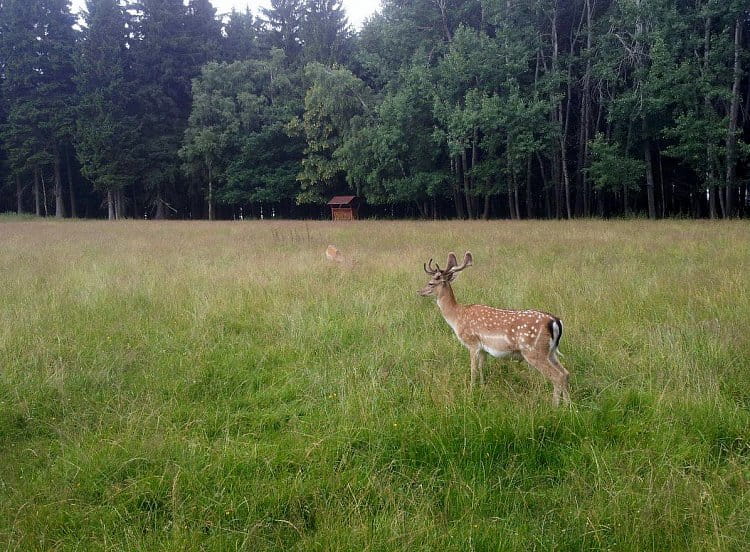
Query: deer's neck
[{"x": 447, "y": 303}]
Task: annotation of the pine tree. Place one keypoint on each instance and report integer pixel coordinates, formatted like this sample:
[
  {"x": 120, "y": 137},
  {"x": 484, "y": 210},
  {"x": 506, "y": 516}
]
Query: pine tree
[
  {"x": 38, "y": 42},
  {"x": 203, "y": 33},
  {"x": 58, "y": 90},
  {"x": 241, "y": 37},
  {"x": 174, "y": 40},
  {"x": 20, "y": 138},
  {"x": 283, "y": 22},
  {"x": 325, "y": 31},
  {"x": 107, "y": 133}
]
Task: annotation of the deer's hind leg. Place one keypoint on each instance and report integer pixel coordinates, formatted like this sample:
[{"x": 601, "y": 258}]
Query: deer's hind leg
[
  {"x": 553, "y": 371},
  {"x": 565, "y": 376}
]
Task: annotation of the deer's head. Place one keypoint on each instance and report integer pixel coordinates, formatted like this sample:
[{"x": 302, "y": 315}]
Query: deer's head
[{"x": 440, "y": 278}]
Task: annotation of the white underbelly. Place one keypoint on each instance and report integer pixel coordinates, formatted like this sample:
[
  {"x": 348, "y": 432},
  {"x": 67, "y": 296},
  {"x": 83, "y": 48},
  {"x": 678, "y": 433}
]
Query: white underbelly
[
  {"x": 497, "y": 345},
  {"x": 496, "y": 352}
]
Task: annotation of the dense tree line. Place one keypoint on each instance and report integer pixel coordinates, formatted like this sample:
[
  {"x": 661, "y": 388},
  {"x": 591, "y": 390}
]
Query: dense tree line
[{"x": 435, "y": 108}]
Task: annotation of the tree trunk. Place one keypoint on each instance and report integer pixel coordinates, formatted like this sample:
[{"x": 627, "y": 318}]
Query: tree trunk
[
  {"x": 625, "y": 202},
  {"x": 583, "y": 122},
  {"x": 529, "y": 195},
  {"x": 119, "y": 204},
  {"x": 37, "y": 205},
  {"x": 210, "y": 192},
  {"x": 545, "y": 186},
  {"x": 564, "y": 140},
  {"x": 586, "y": 115},
  {"x": 733, "y": 116},
  {"x": 160, "y": 214},
  {"x": 19, "y": 195},
  {"x": 486, "y": 212},
  {"x": 59, "y": 204},
  {"x": 649, "y": 179},
  {"x": 73, "y": 207},
  {"x": 441, "y": 5},
  {"x": 557, "y": 164},
  {"x": 711, "y": 182},
  {"x": 556, "y": 181},
  {"x": 110, "y": 206},
  {"x": 722, "y": 202},
  {"x": 134, "y": 198},
  {"x": 625, "y": 191},
  {"x": 457, "y": 190},
  {"x": 467, "y": 185},
  {"x": 661, "y": 182},
  {"x": 474, "y": 161},
  {"x": 581, "y": 207},
  {"x": 566, "y": 179},
  {"x": 44, "y": 194}
]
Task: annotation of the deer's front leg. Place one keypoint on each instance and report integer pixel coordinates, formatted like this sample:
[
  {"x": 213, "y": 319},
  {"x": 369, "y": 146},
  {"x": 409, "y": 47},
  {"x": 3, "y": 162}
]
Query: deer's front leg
[
  {"x": 476, "y": 365},
  {"x": 480, "y": 365}
]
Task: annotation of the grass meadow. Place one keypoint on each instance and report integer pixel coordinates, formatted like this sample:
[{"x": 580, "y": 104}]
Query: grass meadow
[{"x": 221, "y": 386}]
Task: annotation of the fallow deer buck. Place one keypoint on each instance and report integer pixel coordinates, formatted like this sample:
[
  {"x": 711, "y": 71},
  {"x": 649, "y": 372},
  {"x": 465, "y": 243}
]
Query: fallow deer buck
[{"x": 535, "y": 335}]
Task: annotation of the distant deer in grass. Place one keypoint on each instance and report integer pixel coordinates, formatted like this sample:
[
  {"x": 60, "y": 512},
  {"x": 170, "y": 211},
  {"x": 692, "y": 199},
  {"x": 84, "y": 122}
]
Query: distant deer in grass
[
  {"x": 335, "y": 255},
  {"x": 534, "y": 335}
]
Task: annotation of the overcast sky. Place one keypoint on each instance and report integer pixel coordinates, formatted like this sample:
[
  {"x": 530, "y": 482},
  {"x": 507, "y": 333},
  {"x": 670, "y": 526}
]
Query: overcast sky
[{"x": 357, "y": 10}]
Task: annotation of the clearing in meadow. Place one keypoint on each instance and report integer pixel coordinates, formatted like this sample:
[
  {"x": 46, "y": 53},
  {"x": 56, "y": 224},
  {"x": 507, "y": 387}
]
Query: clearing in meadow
[{"x": 220, "y": 386}]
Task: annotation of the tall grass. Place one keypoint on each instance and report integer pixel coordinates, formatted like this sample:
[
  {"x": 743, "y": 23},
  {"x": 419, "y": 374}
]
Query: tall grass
[{"x": 195, "y": 386}]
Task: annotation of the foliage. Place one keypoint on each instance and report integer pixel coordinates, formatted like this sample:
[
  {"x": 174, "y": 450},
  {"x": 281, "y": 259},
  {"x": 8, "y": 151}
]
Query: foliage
[
  {"x": 611, "y": 168},
  {"x": 107, "y": 132},
  {"x": 36, "y": 52},
  {"x": 335, "y": 103},
  {"x": 434, "y": 108}
]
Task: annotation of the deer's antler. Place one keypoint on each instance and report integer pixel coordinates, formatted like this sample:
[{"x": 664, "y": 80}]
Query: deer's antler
[
  {"x": 429, "y": 270},
  {"x": 453, "y": 265}
]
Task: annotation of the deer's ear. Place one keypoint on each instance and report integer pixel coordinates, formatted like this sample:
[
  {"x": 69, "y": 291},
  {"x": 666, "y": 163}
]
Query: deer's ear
[{"x": 452, "y": 260}]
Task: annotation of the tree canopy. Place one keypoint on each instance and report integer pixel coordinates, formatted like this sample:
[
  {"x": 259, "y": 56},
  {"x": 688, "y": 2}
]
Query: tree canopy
[{"x": 435, "y": 109}]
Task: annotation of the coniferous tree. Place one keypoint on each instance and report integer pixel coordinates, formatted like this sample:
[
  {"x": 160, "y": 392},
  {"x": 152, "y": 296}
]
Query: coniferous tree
[
  {"x": 37, "y": 45},
  {"x": 17, "y": 51},
  {"x": 162, "y": 93},
  {"x": 19, "y": 136},
  {"x": 107, "y": 132},
  {"x": 59, "y": 90},
  {"x": 173, "y": 41},
  {"x": 241, "y": 37},
  {"x": 203, "y": 33},
  {"x": 325, "y": 31},
  {"x": 283, "y": 21}
]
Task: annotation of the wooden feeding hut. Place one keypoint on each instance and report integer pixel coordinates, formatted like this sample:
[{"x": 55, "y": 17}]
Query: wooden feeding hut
[{"x": 344, "y": 207}]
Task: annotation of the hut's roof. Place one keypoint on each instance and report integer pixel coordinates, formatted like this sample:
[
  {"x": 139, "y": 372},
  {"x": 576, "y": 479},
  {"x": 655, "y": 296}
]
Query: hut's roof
[{"x": 343, "y": 200}]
